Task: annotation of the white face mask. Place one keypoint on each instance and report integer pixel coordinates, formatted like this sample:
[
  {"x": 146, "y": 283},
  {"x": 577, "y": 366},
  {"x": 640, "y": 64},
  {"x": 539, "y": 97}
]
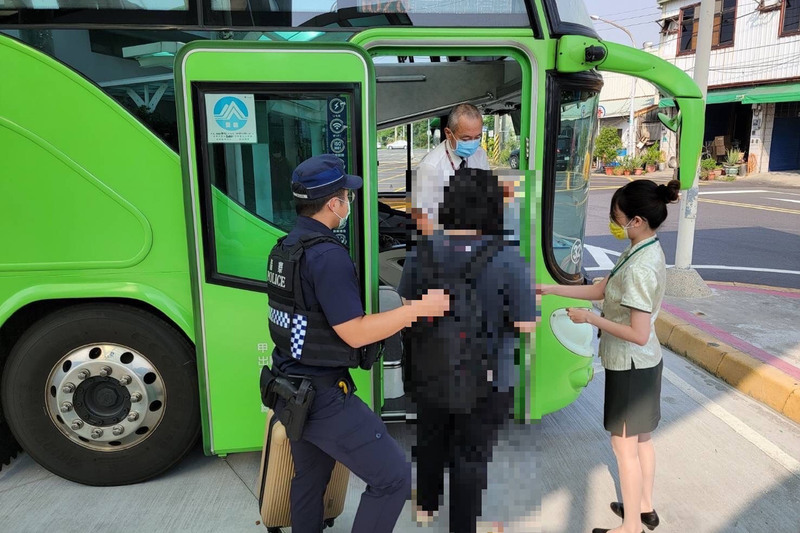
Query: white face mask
[{"x": 342, "y": 220}]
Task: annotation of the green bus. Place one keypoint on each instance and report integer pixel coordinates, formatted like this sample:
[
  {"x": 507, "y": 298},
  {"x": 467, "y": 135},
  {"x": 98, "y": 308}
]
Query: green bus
[{"x": 146, "y": 149}]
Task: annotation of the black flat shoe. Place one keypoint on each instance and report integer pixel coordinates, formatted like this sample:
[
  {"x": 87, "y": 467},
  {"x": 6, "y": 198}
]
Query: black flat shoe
[
  {"x": 602, "y": 530},
  {"x": 650, "y": 520}
]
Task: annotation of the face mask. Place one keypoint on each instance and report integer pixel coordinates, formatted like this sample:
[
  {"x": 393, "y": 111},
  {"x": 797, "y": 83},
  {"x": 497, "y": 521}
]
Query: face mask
[
  {"x": 620, "y": 232},
  {"x": 342, "y": 220},
  {"x": 466, "y": 148}
]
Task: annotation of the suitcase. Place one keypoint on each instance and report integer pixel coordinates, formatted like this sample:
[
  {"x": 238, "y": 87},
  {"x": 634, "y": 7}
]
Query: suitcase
[{"x": 275, "y": 479}]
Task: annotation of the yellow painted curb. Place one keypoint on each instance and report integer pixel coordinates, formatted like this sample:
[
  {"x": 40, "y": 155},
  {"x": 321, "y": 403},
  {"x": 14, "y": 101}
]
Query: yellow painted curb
[
  {"x": 758, "y": 380},
  {"x": 747, "y": 374},
  {"x": 792, "y": 407},
  {"x": 698, "y": 346}
]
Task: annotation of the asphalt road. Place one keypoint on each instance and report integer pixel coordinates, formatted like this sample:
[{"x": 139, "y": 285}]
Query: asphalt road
[{"x": 743, "y": 233}]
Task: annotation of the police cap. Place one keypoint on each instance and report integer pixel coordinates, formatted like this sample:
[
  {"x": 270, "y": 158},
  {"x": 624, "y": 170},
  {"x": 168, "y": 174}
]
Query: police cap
[{"x": 320, "y": 176}]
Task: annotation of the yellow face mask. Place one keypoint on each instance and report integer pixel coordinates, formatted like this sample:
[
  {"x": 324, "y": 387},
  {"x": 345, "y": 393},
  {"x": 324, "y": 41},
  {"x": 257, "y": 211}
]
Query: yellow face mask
[{"x": 620, "y": 232}]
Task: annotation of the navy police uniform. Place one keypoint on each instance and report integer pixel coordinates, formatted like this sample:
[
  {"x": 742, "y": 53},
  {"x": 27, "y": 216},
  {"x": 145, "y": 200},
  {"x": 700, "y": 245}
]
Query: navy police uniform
[{"x": 340, "y": 426}]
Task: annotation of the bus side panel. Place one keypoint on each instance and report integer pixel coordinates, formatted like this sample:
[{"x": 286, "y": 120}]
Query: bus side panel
[{"x": 94, "y": 198}]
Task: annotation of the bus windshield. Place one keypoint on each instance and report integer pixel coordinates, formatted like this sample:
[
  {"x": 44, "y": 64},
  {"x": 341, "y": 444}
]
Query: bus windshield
[{"x": 270, "y": 13}]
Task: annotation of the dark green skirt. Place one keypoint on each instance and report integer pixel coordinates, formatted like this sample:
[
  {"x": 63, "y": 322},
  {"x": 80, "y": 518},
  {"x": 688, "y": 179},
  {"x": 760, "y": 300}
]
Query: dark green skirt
[{"x": 633, "y": 400}]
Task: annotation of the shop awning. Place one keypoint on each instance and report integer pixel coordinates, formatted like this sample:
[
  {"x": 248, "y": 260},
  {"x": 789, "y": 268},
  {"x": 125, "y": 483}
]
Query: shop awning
[{"x": 765, "y": 94}]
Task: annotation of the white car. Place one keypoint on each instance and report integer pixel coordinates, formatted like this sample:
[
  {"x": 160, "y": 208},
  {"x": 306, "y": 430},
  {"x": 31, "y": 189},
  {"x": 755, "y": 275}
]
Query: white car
[{"x": 397, "y": 145}]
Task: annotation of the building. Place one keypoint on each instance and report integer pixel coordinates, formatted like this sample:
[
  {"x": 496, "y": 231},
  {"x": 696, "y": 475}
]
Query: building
[
  {"x": 754, "y": 74},
  {"x": 615, "y": 105}
]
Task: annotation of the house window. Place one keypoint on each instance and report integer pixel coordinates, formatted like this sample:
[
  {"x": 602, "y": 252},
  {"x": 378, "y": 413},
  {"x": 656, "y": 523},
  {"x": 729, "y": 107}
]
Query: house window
[
  {"x": 790, "y": 17},
  {"x": 724, "y": 26}
]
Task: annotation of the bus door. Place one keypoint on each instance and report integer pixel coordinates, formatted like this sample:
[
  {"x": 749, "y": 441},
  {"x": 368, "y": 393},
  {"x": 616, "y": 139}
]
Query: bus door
[{"x": 249, "y": 113}]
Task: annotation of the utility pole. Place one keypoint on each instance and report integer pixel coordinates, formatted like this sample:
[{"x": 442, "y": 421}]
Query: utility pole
[
  {"x": 631, "y": 119},
  {"x": 683, "y": 280}
]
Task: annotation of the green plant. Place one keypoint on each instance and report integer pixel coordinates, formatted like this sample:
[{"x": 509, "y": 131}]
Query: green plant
[
  {"x": 607, "y": 144},
  {"x": 628, "y": 163},
  {"x": 652, "y": 154},
  {"x": 708, "y": 164},
  {"x": 733, "y": 156}
]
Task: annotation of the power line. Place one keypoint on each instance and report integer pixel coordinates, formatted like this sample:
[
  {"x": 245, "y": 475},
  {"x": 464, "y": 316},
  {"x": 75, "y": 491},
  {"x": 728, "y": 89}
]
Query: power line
[{"x": 626, "y": 12}]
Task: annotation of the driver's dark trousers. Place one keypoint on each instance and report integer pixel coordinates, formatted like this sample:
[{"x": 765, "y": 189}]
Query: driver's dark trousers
[{"x": 341, "y": 427}]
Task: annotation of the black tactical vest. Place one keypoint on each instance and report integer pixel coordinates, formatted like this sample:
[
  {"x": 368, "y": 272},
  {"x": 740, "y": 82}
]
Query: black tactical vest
[{"x": 303, "y": 333}]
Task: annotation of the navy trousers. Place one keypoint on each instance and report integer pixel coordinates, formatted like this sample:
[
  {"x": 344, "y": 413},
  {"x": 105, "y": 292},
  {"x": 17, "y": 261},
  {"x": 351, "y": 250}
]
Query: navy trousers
[{"x": 341, "y": 427}]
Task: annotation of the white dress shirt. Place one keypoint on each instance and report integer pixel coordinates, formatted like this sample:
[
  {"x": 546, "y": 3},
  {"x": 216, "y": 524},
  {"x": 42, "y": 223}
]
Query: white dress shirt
[{"x": 434, "y": 172}]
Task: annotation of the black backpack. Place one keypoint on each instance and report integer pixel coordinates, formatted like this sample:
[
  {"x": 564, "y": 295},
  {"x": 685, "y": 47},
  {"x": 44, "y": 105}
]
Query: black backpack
[{"x": 447, "y": 359}]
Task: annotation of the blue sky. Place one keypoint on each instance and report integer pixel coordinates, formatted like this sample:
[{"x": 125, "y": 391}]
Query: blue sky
[{"x": 636, "y": 15}]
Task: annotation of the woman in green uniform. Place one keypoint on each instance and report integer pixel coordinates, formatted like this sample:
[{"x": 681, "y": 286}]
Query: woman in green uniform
[{"x": 629, "y": 349}]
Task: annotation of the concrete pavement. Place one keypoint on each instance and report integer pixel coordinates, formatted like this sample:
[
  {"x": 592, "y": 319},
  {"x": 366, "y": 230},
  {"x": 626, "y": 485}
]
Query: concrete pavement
[{"x": 747, "y": 335}]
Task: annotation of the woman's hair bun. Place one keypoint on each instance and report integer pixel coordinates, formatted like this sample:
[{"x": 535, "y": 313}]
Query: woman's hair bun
[{"x": 670, "y": 192}]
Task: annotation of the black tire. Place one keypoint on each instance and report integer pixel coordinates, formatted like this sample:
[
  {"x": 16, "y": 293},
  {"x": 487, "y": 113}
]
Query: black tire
[
  {"x": 41, "y": 355},
  {"x": 513, "y": 161}
]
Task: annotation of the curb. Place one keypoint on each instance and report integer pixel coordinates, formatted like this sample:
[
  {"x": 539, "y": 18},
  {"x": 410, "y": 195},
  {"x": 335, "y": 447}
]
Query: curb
[{"x": 745, "y": 373}]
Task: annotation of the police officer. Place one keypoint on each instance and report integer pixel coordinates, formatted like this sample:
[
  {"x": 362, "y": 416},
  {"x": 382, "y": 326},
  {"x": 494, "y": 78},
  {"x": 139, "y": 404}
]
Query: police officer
[{"x": 324, "y": 335}]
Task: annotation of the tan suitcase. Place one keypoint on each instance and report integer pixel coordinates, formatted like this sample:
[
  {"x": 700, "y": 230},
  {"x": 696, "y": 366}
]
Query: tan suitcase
[{"x": 275, "y": 479}]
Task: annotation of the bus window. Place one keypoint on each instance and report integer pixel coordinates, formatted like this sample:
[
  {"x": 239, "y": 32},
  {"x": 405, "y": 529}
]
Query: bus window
[
  {"x": 569, "y": 165},
  {"x": 253, "y": 177}
]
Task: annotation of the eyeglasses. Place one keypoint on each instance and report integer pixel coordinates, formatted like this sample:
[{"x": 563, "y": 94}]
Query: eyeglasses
[{"x": 351, "y": 196}]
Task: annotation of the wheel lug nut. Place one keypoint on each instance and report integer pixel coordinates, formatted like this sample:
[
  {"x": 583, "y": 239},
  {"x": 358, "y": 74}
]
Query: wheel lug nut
[
  {"x": 117, "y": 430},
  {"x": 97, "y": 433},
  {"x": 66, "y": 407},
  {"x": 133, "y": 416},
  {"x": 68, "y": 388},
  {"x": 136, "y": 397},
  {"x": 106, "y": 370},
  {"x": 125, "y": 380},
  {"x": 76, "y": 424},
  {"x": 83, "y": 374}
]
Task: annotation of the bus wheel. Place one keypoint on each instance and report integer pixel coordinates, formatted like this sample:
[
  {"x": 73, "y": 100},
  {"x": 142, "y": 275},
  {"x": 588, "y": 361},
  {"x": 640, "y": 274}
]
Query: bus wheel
[{"x": 102, "y": 394}]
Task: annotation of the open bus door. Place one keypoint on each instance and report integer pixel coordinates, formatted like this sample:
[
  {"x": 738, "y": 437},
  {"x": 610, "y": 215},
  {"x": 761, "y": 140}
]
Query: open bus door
[{"x": 248, "y": 114}]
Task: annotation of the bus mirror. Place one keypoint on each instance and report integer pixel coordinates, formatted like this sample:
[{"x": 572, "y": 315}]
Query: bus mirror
[
  {"x": 595, "y": 54},
  {"x": 672, "y": 123}
]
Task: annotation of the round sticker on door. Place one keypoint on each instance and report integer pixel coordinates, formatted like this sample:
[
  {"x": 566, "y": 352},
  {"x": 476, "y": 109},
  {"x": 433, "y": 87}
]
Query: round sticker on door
[
  {"x": 576, "y": 252},
  {"x": 336, "y": 105},
  {"x": 337, "y": 146},
  {"x": 230, "y": 113},
  {"x": 337, "y": 126}
]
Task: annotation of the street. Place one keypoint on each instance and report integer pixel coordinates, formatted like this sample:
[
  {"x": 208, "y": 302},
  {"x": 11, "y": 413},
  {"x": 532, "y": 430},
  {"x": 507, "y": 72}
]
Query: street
[{"x": 743, "y": 233}]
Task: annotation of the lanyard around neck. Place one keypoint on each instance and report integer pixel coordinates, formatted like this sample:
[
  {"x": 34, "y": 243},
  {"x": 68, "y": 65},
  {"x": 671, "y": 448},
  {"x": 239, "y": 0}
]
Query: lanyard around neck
[
  {"x": 452, "y": 165},
  {"x": 616, "y": 268}
]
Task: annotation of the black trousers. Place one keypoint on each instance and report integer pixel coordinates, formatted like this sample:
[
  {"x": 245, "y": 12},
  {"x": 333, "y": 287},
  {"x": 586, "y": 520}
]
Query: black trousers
[{"x": 463, "y": 442}]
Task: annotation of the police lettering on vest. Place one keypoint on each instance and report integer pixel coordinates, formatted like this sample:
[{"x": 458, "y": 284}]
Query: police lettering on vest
[{"x": 296, "y": 330}]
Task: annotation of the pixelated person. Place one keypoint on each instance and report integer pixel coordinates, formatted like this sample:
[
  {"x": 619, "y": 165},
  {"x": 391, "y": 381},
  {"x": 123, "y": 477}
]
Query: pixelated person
[
  {"x": 318, "y": 324},
  {"x": 629, "y": 348},
  {"x": 461, "y": 148},
  {"x": 460, "y": 369}
]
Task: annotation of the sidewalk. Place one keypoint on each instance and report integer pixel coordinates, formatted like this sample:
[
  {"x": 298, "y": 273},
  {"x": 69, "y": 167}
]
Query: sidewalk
[
  {"x": 763, "y": 179},
  {"x": 747, "y": 335}
]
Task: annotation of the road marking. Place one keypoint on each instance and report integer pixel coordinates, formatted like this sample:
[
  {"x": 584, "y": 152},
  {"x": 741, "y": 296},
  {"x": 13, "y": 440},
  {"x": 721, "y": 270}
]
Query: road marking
[
  {"x": 752, "y": 206},
  {"x": 762, "y": 443},
  {"x": 785, "y": 200},
  {"x": 600, "y": 256},
  {"x": 733, "y": 192}
]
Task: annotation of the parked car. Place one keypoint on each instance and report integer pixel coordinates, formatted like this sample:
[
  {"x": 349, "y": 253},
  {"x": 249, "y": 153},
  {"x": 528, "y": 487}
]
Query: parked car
[
  {"x": 399, "y": 144},
  {"x": 562, "y": 155},
  {"x": 513, "y": 159}
]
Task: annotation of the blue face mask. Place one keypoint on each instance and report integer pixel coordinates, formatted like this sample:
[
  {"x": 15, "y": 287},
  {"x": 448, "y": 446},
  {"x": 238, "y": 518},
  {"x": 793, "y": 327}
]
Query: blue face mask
[{"x": 466, "y": 148}]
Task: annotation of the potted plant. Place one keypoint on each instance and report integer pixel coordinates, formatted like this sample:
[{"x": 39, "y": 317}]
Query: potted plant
[
  {"x": 732, "y": 162},
  {"x": 662, "y": 160},
  {"x": 638, "y": 163},
  {"x": 617, "y": 170},
  {"x": 628, "y": 165},
  {"x": 707, "y": 168},
  {"x": 651, "y": 157},
  {"x": 742, "y": 166},
  {"x": 606, "y": 146}
]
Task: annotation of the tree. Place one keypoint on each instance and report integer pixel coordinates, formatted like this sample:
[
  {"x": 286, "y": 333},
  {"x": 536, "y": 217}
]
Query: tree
[{"x": 608, "y": 142}]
